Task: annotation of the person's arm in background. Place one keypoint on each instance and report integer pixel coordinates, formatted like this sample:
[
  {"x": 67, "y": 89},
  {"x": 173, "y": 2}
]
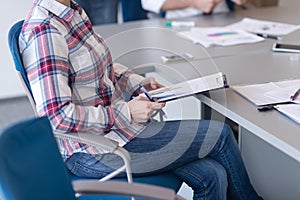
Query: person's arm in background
[
  {"x": 157, "y": 6},
  {"x": 231, "y": 3},
  {"x": 239, "y": 2}
]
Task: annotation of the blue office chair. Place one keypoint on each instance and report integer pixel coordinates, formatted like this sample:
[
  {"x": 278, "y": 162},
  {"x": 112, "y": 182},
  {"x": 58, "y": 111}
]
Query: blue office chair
[
  {"x": 132, "y": 10},
  {"x": 31, "y": 167},
  {"x": 165, "y": 179}
]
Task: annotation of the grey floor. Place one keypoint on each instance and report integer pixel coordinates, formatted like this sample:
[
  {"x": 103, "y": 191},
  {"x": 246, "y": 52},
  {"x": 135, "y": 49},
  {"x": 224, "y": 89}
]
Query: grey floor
[{"x": 14, "y": 110}]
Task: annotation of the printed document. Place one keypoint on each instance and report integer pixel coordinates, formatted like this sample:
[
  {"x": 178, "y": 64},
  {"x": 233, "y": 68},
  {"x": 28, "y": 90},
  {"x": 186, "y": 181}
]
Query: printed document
[
  {"x": 219, "y": 36},
  {"x": 264, "y": 27},
  {"x": 269, "y": 93}
]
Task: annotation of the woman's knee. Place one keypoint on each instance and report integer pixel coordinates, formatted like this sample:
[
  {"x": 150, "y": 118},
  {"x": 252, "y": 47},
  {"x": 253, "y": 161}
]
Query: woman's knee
[
  {"x": 205, "y": 176},
  {"x": 215, "y": 175}
]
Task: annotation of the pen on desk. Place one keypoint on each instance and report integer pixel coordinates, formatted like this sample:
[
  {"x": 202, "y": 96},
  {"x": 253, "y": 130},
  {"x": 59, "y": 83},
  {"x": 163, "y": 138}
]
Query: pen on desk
[
  {"x": 146, "y": 93},
  {"x": 295, "y": 95},
  {"x": 275, "y": 37}
]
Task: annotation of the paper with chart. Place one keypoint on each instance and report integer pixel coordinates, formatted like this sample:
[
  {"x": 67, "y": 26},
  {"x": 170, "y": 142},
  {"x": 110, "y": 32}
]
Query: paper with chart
[
  {"x": 219, "y": 36},
  {"x": 269, "y": 93},
  {"x": 263, "y": 27},
  {"x": 194, "y": 86}
]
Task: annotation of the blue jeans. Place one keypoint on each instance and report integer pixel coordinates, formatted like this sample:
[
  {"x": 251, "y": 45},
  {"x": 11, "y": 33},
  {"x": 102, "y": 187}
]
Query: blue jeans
[
  {"x": 204, "y": 154},
  {"x": 100, "y": 11}
]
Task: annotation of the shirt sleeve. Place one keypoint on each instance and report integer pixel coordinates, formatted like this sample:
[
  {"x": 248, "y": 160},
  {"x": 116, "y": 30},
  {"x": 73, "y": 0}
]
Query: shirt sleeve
[
  {"x": 153, "y": 5},
  {"x": 127, "y": 79},
  {"x": 45, "y": 58}
]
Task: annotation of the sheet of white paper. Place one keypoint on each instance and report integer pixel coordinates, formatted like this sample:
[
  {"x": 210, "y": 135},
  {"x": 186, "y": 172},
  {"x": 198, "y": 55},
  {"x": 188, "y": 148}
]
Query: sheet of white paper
[
  {"x": 284, "y": 94},
  {"x": 290, "y": 110},
  {"x": 263, "y": 27},
  {"x": 219, "y": 36},
  {"x": 255, "y": 93},
  {"x": 269, "y": 93}
]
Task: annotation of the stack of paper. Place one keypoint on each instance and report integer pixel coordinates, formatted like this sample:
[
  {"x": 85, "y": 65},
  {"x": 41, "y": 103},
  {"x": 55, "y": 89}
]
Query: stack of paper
[
  {"x": 241, "y": 32},
  {"x": 276, "y": 93},
  {"x": 264, "y": 27},
  {"x": 219, "y": 36},
  {"x": 270, "y": 93}
]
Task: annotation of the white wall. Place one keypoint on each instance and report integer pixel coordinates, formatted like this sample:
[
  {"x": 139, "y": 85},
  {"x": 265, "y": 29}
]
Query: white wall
[{"x": 13, "y": 11}]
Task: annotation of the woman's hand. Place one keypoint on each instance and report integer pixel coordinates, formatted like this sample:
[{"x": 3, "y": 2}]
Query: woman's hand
[
  {"x": 141, "y": 109},
  {"x": 150, "y": 83}
]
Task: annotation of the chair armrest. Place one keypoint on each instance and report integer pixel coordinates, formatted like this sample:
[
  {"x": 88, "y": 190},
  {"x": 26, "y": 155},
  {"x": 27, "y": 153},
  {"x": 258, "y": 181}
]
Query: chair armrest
[
  {"x": 105, "y": 144},
  {"x": 98, "y": 141},
  {"x": 89, "y": 187}
]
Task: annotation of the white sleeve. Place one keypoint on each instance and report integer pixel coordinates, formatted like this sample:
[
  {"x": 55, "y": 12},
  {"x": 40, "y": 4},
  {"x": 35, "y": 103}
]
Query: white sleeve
[{"x": 153, "y": 5}]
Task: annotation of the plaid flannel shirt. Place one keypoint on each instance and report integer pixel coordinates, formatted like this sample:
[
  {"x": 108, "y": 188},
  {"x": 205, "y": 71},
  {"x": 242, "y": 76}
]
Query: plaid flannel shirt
[{"x": 72, "y": 76}]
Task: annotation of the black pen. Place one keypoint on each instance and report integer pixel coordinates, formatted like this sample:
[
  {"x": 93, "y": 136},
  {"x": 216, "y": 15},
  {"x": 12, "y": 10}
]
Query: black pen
[
  {"x": 295, "y": 95},
  {"x": 274, "y": 37}
]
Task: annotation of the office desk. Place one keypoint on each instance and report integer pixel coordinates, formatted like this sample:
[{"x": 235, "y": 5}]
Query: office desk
[{"x": 270, "y": 142}]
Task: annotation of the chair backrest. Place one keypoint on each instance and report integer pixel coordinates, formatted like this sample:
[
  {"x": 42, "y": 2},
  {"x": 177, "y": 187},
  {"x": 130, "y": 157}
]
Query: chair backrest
[
  {"x": 133, "y": 10},
  {"x": 13, "y": 42},
  {"x": 31, "y": 166}
]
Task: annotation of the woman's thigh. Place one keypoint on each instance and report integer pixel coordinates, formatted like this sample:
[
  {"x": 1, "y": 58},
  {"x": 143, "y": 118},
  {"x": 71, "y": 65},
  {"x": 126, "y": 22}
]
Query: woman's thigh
[
  {"x": 169, "y": 145},
  {"x": 160, "y": 147}
]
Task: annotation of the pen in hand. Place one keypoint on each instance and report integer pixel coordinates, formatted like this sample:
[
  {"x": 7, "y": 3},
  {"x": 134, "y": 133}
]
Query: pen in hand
[
  {"x": 295, "y": 95},
  {"x": 152, "y": 100},
  {"x": 146, "y": 93}
]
